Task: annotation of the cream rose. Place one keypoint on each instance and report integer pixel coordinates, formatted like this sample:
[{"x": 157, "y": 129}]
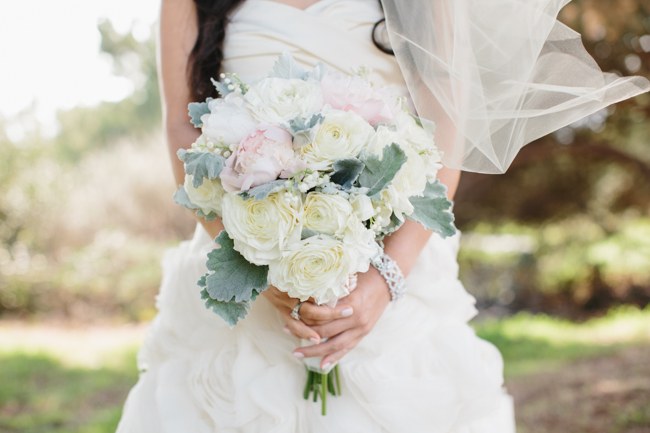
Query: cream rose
[
  {"x": 340, "y": 135},
  {"x": 316, "y": 267},
  {"x": 207, "y": 197},
  {"x": 326, "y": 213},
  {"x": 362, "y": 206},
  {"x": 277, "y": 100},
  {"x": 228, "y": 121},
  {"x": 261, "y": 228}
]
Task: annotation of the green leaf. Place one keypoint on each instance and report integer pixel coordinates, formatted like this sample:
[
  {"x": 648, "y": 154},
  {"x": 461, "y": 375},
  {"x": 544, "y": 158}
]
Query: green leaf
[
  {"x": 378, "y": 173},
  {"x": 197, "y": 109},
  {"x": 302, "y": 124},
  {"x": 307, "y": 233},
  {"x": 181, "y": 198},
  {"x": 260, "y": 192},
  {"x": 346, "y": 172},
  {"x": 287, "y": 67},
  {"x": 232, "y": 312},
  {"x": 433, "y": 210},
  {"x": 201, "y": 165},
  {"x": 231, "y": 277}
]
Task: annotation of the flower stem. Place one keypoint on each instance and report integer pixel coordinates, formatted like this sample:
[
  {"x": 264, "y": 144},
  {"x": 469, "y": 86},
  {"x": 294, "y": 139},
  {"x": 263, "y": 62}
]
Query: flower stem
[{"x": 324, "y": 379}]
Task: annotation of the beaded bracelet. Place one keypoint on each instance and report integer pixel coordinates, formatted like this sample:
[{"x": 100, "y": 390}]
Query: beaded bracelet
[{"x": 390, "y": 271}]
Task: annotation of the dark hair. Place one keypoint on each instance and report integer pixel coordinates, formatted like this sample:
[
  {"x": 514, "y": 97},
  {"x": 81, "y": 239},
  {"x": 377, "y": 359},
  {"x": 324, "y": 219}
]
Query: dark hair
[{"x": 207, "y": 54}]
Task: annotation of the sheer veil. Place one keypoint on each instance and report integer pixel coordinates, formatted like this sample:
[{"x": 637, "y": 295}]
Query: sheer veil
[{"x": 495, "y": 75}]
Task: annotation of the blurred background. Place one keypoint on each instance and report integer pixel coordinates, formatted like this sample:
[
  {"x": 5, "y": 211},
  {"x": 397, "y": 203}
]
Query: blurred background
[{"x": 556, "y": 251}]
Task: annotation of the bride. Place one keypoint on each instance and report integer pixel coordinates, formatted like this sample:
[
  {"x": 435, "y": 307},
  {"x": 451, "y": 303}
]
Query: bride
[{"x": 409, "y": 366}]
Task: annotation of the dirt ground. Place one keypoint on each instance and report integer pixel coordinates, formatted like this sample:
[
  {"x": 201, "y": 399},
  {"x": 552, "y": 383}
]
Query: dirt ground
[{"x": 608, "y": 394}]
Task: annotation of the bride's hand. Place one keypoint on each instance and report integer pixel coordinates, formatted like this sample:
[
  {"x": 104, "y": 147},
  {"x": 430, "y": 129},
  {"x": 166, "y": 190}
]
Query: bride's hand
[
  {"x": 368, "y": 301},
  {"x": 310, "y": 314}
]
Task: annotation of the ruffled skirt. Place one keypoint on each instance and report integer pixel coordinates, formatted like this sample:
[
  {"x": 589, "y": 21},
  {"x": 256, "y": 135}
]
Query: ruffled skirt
[{"x": 421, "y": 369}]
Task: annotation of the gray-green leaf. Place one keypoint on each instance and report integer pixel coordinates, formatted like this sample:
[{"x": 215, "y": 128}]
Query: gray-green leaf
[
  {"x": 232, "y": 312},
  {"x": 302, "y": 124},
  {"x": 287, "y": 67},
  {"x": 197, "y": 109},
  {"x": 181, "y": 198},
  {"x": 433, "y": 210},
  {"x": 201, "y": 165},
  {"x": 260, "y": 192},
  {"x": 346, "y": 172},
  {"x": 231, "y": 276},
  {"x": 378, "y": 173}
]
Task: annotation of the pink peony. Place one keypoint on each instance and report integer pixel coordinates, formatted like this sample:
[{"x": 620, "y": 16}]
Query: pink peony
[
  {"x": 352, "y": 93},
  {"x": 261, "y": 157}
]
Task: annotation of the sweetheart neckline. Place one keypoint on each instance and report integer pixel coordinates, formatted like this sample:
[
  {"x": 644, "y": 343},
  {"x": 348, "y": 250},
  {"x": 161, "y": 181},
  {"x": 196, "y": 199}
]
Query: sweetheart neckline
[{"x": 305, "y": 10}]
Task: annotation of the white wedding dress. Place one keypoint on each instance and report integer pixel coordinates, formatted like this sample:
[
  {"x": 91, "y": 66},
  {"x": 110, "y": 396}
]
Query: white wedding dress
[{"x": 421, "y": 369}]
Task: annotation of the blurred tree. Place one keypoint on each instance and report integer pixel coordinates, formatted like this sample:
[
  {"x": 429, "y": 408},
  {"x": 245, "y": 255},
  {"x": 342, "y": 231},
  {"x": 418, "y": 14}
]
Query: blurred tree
[{"x": 84, "y": 128}]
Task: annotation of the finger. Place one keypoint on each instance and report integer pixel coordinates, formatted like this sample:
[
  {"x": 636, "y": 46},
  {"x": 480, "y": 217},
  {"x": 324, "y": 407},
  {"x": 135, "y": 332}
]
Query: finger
[
  {"x": 300, "y": 330},
  {"x": 333, "y": 358},
  {"x": 313, "y": 314},
  {"x": 333, "y": 345},
  {"x": 335, "y": 327}
]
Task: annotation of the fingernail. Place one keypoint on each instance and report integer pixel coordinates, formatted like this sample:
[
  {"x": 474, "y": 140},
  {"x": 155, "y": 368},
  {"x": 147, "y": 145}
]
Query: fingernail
[
  {"x": 347, "y": 312},
  {"x": 298, "y": 355},
  {"x": 326, "y": 365},
  {"x": 286, "y": 330},
  {"x": 315, "y": 340}
]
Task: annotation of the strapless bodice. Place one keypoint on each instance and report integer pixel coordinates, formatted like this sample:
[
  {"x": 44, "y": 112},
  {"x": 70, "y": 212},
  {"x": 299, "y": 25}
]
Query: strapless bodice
[{"x": 335, "y": 32}]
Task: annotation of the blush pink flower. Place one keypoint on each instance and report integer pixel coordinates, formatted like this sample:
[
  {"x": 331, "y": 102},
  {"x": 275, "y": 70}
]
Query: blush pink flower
[
  {"x": 352, "y": 93},
  {"x": 261, "y": 157}
]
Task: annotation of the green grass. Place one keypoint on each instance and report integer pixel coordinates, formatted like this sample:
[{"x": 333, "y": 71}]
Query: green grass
[
  {"x": 531, "y": 343},
  {"x": 39, "y": 394},
  {"x": 51, "y": 392}
]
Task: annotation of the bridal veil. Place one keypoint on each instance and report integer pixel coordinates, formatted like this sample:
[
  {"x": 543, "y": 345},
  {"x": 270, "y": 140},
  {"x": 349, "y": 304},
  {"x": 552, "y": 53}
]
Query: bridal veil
[{"x": 495, "y": 75}]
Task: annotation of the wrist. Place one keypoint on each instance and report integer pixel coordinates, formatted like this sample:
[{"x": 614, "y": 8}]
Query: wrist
[{"x": 374, "y": 279}]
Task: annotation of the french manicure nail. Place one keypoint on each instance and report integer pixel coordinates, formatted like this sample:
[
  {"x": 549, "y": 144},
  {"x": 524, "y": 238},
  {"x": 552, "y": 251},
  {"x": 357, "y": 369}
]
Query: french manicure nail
[
  {"x": 315, "y": 340},
  {"x": 298, "y": 355},
  {"x": 286, "y": 330},
  {"x": 347, "y": 312},
  {"x": 326, "y": 365}
]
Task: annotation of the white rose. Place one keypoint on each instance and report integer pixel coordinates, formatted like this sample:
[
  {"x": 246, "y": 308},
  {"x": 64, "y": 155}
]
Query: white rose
[
  {"x": 340, "y": 135},
  {"x": 383, "y": 137},
  {"x": 411, "y": 179},
  {"x": 207, "y": 197},
  {"x": 419, "y": 140},
  {"x": 394, "y": 201},
  {"x": 326, "y": 213},
  {"x": 360, "y": 241},
  {"x": 278, "y": 100},
  {"x": 261, "y": 228},
  {"x": 362, "y": 206},
  {"x": 317, "y": 267},
  {"x": 228, "y": 121}
]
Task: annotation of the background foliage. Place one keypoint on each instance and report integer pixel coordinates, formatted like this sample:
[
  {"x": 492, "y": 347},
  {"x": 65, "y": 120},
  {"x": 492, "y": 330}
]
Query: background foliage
[{"x": 87, "y": 213}]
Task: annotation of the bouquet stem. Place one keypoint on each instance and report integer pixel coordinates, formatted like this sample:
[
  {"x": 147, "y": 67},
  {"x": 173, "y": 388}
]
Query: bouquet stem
[{"x": 319, "y": 383}]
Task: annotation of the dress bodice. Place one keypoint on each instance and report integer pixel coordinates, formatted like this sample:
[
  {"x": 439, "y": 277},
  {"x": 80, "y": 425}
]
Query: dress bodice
[{"x": 335, "y": 32}]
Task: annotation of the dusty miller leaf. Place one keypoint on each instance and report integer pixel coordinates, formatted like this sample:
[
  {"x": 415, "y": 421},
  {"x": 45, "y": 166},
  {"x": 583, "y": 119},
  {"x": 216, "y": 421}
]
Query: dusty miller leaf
[
  {"x": 346, "y": 172},
  {"x": 181, "y": 198},
  {"x": 287, "y": 67},
  {"x": 260, "y": 192},
  {"x": 231, "y": 277},
  {"x": 433, "y": 210},
  {"x": 201, "y": 165},
  {"x": 232, "y": 312},
  {"x": 302, "y": 124},
  {"x": 378, "y": 173},
  {"x": 197, "y": 109}
]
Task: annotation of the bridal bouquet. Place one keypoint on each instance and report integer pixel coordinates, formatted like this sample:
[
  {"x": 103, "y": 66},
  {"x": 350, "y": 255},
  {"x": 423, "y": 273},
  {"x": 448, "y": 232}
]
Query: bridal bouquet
[{"x": 309, "y": 170}]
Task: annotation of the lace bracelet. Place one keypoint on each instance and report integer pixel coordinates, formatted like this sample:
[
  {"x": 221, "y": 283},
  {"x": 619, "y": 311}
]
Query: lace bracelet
[{"x": 390, "y": 271}]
